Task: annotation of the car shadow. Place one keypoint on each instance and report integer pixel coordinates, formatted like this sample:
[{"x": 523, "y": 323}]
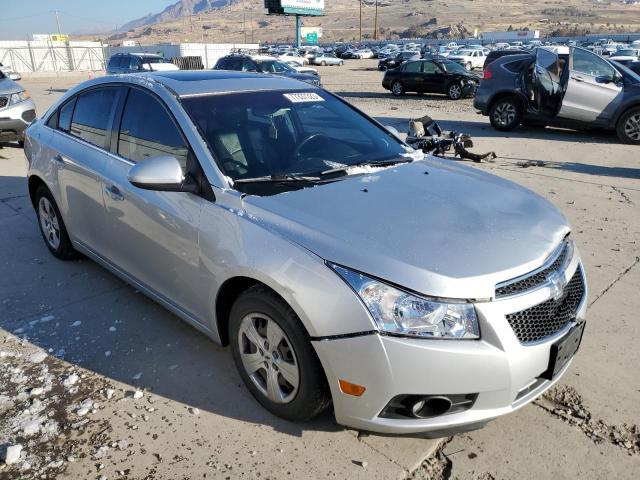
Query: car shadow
[{"x": 79, "y": 312}]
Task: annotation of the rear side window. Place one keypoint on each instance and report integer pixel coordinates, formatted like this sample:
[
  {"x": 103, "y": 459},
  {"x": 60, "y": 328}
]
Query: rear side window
[
  {"x": 516, "y": 66},
  {"x": 147, "y": 130},
  {"x": 66, "y": 111},
  {"x": 91, "y": 115},
  {"x": 114, "y": 62},
  {"x": 412, "y": 67}
]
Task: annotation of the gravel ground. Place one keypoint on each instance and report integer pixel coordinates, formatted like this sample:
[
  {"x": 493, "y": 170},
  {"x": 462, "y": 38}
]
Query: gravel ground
[{"x": 100, "y": 382}]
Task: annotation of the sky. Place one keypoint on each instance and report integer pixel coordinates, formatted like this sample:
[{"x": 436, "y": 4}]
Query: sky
[{"x": 18, "y": 20}]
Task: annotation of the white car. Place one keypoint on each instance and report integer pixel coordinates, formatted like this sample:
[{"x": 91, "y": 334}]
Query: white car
[
  {"x": 469, "y": 59},
  {"x": 363, "y": 53},
  {"x": 293, "y": 57},
  {"x": 301, "y": 69},
  {"x": 626, "y": 55}
]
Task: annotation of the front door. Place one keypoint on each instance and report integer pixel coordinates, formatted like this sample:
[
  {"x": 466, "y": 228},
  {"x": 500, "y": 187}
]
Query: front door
[
  {"x": 152, "y": 235},
  {"x": 593, "y": 91},
  {"x": 433, "y": 79}
]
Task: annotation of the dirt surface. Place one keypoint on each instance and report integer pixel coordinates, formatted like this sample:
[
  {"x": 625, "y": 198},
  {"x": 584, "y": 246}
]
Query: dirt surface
[{"x": 76, "y": 344}]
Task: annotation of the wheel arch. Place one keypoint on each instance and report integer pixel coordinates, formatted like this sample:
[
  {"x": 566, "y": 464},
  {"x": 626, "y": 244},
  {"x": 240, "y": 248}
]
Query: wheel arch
[
  {"x": 622, "y": 110},
  {"x": 34, "y": 183},
  {"x": 507, "y": 94}
]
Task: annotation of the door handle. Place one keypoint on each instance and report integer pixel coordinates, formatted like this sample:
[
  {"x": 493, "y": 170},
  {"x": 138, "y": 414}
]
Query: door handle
[
  {"x": 114, "y": 192},
  {"x": 577, "y": 79},
  {"x": 57, "y": 158}
]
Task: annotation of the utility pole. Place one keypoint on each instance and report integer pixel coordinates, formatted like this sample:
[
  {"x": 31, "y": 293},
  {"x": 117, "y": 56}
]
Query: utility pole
[
  {"x": 360, "y": 2},
  {"x": 375, "y": 23},
  {"x": 57, "y": 21}
]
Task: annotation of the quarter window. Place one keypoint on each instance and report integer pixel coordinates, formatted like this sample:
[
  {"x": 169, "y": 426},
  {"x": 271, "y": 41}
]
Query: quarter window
[
  {"x": 66, "y": 111},
  {"x": 148, "y": 131},
  {"x": 91, "y": 115}
]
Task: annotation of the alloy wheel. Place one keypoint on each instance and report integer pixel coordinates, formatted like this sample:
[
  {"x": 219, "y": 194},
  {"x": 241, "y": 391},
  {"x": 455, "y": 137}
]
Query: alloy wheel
[
  {"x": 505, "y": 114},
  {"x": 397, "y": 88},
  {"x": 268, "y": 358},
  {"x": 49, "y": 223},
  {"x": 632, "y": 127},
  {"x": 455, "y": 91}
]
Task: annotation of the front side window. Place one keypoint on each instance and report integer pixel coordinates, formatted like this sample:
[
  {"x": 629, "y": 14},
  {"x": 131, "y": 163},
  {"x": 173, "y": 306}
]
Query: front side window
[
  {"x": 147, "y": 130},
  {"x": 287, "y": 132},
  {"x": 429, "y": 67},
  {"x": 591, "y": 64},
  {"x": 91, "y": 115}
]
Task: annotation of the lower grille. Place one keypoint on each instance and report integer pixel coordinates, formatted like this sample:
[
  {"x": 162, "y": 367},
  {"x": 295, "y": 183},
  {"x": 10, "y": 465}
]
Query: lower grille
[{"x": 547, "y": 318}]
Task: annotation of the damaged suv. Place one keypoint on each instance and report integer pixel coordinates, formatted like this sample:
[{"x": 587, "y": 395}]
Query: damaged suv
[
  {"x": 341, "y": 266},
  {"x": 565, "y": 87}
]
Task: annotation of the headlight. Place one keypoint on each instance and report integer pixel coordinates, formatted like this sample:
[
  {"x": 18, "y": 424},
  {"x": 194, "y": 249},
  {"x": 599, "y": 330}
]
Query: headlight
[
  {"x": 402, "y": 313},
  {"x": 18, "y": 97}
]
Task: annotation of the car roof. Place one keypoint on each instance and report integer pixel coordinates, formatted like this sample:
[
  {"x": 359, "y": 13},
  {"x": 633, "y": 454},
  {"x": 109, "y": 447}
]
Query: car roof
[{"x": 202, "y": 82}]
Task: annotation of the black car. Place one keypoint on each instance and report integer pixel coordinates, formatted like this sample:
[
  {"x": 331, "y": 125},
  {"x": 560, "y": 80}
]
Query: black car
[
  {"x": 496, "y": 54},
  {"x": 634, "y": 66},
  {"x": 263, "y": 64},
  {"x": 397, "y": 59},
  {"x": 431, "y": 76}
]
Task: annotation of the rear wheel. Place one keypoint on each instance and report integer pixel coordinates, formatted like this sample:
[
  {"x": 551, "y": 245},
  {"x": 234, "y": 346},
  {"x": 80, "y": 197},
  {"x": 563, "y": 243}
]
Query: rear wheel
[
  {"x": 455, "y": 91},
  {"x": 52, "y": 227},
  {"x": 628, "y": 128},
  {"x": 274, "y": 356},
  {"x": 397, "y": 88},
  {"x": 505, "y": 114}
]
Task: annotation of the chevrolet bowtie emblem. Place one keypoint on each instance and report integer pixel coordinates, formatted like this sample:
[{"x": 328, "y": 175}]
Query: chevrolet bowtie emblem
[{"x": 556, "y": 284}]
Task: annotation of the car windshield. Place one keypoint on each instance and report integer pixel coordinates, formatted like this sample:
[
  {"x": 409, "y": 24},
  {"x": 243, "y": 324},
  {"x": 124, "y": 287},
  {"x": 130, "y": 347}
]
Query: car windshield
[
  {"x": 452, "y": 67},
  {"x": 626, "y": 52},
  {"x": 154, "y": 60},
  {"x": 273, "y": 66},
  {"x": 280, "y": 133}
]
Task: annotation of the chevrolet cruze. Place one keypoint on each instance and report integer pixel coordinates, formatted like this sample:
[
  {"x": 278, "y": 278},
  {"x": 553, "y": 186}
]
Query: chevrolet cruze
[{"x": 341, "y": 267}]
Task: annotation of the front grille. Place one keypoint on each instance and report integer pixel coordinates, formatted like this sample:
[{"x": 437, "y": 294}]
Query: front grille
[
  {"x": 3, "y": 101},
  {"x": 536, "y": 279},
  {"x": 547, "y": 318}
]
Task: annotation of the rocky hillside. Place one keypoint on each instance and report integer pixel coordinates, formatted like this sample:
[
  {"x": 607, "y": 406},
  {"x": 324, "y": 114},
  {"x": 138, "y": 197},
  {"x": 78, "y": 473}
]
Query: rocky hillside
[{"x": 247, "y": 21}]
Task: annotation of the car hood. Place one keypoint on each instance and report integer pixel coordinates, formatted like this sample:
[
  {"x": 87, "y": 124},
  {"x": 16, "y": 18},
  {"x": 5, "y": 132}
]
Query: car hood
[
  {"x": 304, "y": 77},
  {"x": 431, "y": 226},
  {"x": 8, "y": 86}
]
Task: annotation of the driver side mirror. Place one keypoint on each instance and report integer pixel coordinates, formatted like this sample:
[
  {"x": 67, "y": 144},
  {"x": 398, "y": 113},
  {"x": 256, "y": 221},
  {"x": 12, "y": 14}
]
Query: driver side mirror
[{"x": 163, "y": 174}]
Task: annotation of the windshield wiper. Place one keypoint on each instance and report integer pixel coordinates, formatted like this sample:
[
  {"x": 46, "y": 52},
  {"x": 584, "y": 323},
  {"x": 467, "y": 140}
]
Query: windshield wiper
[
  {"x": 278, "y": 179},
  {"x": 381, "y": 163}
]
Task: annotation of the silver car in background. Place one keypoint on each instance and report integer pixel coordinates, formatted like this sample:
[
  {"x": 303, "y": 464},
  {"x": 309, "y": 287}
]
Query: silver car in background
[
  {"x": 17, "y": 109},
  {"x": 341, "y": 266}
]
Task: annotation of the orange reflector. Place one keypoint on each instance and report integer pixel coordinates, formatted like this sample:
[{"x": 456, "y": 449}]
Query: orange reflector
[{"x": 351, "y": 388}]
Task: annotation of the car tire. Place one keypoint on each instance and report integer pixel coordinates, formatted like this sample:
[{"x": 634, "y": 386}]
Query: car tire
[
  {"x": 397, "y": 89},
  {"x": 628, "y": 127},
  {"x": 505, "y": 114},
  {"x": 323, "y": 63},
  {"x": 468, "y": 66},
  {"x": 259, "y": 316},
  {"x": 454, "y": 91},
  {"x": 52, "y": 227}
]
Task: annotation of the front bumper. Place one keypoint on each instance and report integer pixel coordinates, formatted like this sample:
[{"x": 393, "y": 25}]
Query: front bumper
[
  {"x": 504, "y": 373},
  {"x": 15, "y": 119}
]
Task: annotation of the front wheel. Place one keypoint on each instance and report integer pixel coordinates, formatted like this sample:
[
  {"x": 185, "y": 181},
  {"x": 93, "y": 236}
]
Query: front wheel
[
  {"x": 455, "y": 91},
  {"x": 274, "y": 356},
  {"x": 628, "y": 128},
  {"x": 505, "y": 114},
  {"x": 397, "y": 89}
]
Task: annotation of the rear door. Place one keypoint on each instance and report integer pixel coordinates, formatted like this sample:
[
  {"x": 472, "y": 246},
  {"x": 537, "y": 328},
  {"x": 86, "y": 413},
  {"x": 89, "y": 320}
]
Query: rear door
[
  {"x": 546, "y": 85},
  {"x": 593, "y": 91},
  {"x": 412, "y": 76},
  {"x": 80, "y": 155},
  {"x": 151, "y": 235}
]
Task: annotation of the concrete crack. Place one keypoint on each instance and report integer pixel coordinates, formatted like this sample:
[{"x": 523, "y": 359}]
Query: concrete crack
[
  {"x": 565, "y": 403},
  {"x": 617, "y": 279}
]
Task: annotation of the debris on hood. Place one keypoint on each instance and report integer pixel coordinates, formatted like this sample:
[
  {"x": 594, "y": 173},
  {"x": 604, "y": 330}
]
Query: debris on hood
[{"x": 425, "y": 134}]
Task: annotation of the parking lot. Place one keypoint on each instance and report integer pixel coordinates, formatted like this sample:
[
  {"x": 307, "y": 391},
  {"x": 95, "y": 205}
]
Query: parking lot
[{"x": 197, "y": 420}]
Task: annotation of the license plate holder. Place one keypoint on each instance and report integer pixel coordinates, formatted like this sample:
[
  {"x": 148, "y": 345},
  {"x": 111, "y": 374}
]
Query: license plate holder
[{"x": 563, "y": 350}]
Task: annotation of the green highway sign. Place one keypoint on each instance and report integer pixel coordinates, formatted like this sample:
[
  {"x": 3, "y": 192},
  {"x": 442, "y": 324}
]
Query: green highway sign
[{"x": 312, "y": 37}]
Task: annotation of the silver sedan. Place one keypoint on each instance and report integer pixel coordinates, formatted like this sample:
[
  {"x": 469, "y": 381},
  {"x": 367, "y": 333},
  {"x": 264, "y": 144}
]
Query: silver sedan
[{"x": 339, "y": 265}]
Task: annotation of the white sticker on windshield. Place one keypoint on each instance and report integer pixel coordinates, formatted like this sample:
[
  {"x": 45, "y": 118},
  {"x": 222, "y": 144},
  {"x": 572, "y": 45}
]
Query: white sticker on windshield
[{"x": 303, "y": 97}]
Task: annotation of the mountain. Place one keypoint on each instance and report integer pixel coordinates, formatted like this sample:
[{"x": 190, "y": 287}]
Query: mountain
[
  {"x": 182, "y": 8},
  {"x": 246, "y": 21}
]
